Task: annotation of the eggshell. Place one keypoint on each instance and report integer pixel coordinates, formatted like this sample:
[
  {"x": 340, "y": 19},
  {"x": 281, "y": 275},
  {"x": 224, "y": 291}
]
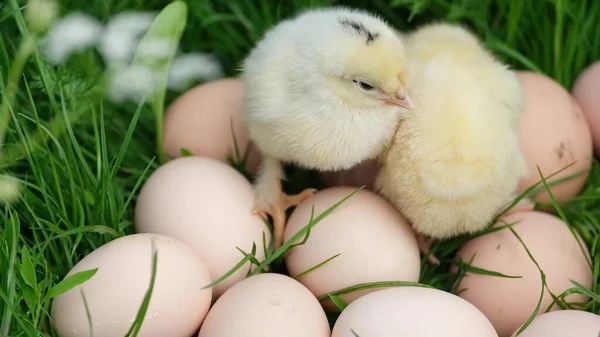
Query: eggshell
[
  {"x": 586, "y": 91},
  {"x": 508, "y": 302},
  {"x": 205, "y": 119},
  {"x": 364, "y": 173},
  {"x": 563, "y": 323},
  {"x": 374, "y": 241},
  {"x": 266, "y": 305},
  {"x": 553, "y": 135},
  {"x": 412, "y": 312},
  {"x": 114, "y": 294},
  {"x": 208, "y": 205}
]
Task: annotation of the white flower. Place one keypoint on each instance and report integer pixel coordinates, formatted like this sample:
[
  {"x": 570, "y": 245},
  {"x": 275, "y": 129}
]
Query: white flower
[
  {"x": 122, "y": 35},
  {"x": 10, "y": 189},
  {"x": 189, "y": 67},
  {"x": 73, "y": 33},
  {"x": 132, "y": 82}
]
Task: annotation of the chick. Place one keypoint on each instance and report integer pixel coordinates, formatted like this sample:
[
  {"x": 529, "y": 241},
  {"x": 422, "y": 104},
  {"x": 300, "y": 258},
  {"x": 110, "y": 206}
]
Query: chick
[
  {"x": 324, "y": 91},
  {"x": 455, "y": 161}
]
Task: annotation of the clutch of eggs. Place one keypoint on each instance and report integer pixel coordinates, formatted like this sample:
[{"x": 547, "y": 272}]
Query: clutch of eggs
[
  {"x": 198, "y": 210},
  {"x": 115, "y": 292}
]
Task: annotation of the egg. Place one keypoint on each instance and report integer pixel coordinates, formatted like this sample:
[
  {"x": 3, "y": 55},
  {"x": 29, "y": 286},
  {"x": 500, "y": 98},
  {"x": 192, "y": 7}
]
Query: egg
[
  {"x": 208, "y": 205},
  {"x": 412, "y": 312},
  {"x": 509, "y": 302},
  {"x": 115, "y": 293},
  {"x": 586, "y": 91},
  {"x": 374, "y": 242},
  {"x": 553, "y": 134},
  {"x": 563, "y": 323},
  {"x": 364, "y": 173},
  {"x": 266, "y": 305},
  {"x": 206, "y": 119}
]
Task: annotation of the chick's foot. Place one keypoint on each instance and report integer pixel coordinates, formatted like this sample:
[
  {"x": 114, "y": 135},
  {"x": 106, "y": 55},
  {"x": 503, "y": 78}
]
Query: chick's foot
[
  {"x": 424, "y": 247},
  {"x": 277, "y": 211}
]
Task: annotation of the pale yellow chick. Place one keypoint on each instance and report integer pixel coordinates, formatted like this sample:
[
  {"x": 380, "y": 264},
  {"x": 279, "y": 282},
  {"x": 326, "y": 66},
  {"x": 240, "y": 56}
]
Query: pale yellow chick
[
  {"x": 324, "y": 91},
  {"x": 455, "y": 161}
]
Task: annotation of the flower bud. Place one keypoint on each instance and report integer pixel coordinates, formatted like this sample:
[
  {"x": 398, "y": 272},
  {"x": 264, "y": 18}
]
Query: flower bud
[
  {"x": 40, "y": 14},
  {"x": 10, "y": 189}
]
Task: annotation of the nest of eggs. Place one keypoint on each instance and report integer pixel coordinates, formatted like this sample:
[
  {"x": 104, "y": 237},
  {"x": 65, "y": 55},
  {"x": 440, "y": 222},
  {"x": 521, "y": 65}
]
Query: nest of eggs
[{"x": 349, "y": 254}]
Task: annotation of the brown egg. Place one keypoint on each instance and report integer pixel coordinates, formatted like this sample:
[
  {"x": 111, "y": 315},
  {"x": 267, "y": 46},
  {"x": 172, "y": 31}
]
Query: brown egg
[
  {"x": 204, "y": 121},
  {"x": 362, "y": 174},
  {"x": 553, "y": 135},
  {"x": 208, "y": 205},
  {"x": 587, "y": 92},
  {"x": 563, "y": 323},
  {"x": 374, "y": 241},
  {"x": 508, "y": 302}
]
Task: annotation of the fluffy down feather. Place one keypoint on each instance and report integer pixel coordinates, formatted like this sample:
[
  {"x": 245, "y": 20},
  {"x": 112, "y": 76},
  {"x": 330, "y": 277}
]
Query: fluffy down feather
[{"x": 455, "y": 160}]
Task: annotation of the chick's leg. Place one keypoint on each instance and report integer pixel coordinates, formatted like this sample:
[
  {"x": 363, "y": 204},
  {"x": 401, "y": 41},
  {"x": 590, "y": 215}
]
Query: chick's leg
[
  {"x": 425, "y": 246},
  {"x": 270, "y": 198}
]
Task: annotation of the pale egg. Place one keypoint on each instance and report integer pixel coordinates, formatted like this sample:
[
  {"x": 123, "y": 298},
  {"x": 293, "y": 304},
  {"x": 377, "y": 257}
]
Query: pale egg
[
  {"x": 208, "y": 205},
  {"x": 115, "y": 293},
  {"x": 266, "y": 305},
  {"x": 586, "y": 91},
  {"x": 563, "y": 323},
  {"x": 509, "y": 302},
  {"x": 553, "y": 135},
  {"x": 364, "y": 173},
  {"x": 373, "y": 241},
  {"x": 412, "y": 312},
  {"x": 207, "y": 121}
]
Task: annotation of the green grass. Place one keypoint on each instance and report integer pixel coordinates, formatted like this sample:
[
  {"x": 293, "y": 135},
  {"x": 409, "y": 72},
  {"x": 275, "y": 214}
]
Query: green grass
[{"x": 82, "y": 158}]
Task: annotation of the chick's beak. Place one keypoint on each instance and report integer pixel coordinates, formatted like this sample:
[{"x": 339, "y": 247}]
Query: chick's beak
[{"x": 401, "y": 98}]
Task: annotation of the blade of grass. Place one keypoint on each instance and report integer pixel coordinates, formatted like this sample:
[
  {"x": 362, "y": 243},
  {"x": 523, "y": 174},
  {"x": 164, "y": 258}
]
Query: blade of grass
[{"x": 168, "y": 25}]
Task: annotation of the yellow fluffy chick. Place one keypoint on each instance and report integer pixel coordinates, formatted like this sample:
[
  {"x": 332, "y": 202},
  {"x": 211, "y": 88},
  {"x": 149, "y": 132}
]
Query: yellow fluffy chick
[
  {"x": 324, "y": 91},
  {"x": 455, "y": 161}
]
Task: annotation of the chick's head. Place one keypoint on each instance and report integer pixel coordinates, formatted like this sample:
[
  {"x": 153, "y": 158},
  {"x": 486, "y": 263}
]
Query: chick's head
[{"x": 365, "y": 62}]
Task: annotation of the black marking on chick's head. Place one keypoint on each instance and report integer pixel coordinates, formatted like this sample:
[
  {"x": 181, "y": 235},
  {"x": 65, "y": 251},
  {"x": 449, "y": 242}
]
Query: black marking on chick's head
[{"x": 360, "y": 29}]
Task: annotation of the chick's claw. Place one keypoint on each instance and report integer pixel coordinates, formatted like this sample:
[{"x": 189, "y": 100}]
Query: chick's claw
[
  {"x": 424, "y": 247},
  {"x": 277, "y": 211},
  {"x": 295, "y": 199}
]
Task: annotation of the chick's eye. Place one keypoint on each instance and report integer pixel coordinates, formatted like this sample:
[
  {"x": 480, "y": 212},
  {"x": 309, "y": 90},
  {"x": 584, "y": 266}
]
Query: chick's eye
[{"x": 364, "y": 85}]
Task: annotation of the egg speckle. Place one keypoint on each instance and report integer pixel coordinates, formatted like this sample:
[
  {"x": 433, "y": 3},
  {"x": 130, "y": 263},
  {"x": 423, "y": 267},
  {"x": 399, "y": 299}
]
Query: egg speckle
[
  {"x": 208, "y": 205},
  {"x": 114, "y": 294},
  {"x": 553, "y": 135}
]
